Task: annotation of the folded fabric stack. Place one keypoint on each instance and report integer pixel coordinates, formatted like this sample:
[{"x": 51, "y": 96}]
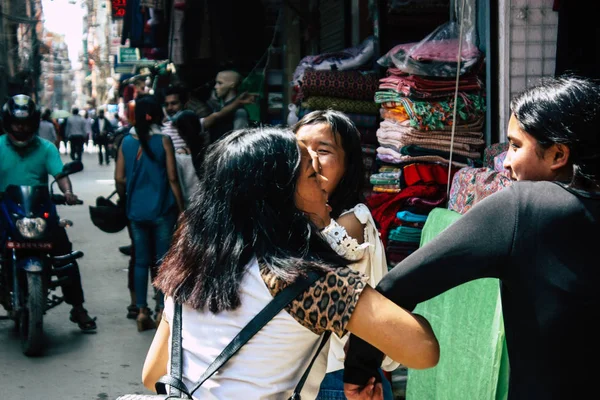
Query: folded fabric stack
[
  {"x": 415, "y": 142},
  {"x": 405, "y": 237}
]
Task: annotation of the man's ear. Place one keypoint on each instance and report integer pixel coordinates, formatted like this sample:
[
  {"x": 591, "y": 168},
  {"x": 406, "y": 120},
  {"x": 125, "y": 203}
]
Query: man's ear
[{"x": 560, "y": 156}]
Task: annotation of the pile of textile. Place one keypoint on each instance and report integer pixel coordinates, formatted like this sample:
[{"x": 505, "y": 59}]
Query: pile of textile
[
  {"x": 343, "y": 81},
  {"x": 471, "y": 185},
  {"x": 416, "y": 154}
]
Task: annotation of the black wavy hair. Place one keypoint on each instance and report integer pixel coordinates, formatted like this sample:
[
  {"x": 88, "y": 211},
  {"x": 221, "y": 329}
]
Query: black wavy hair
[
  {"x": 564, "y": 110},
  {"x": 348, "y": 192},
  {"x": 189, "y": 128},
  {"x": 146, "y": 105},
  {"x": 244, "y": 208}
]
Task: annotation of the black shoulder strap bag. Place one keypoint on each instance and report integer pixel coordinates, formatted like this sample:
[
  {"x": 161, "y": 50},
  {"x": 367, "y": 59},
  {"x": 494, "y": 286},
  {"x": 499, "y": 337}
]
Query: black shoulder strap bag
[{"x": 174, "y": 381}]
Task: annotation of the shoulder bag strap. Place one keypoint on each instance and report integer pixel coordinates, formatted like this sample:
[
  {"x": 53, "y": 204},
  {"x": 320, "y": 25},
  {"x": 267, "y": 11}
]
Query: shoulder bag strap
[
  {"x": 296, "y": 394},
  {"x": 261, "y": 319},
  {"x": 174, "y": 378}
]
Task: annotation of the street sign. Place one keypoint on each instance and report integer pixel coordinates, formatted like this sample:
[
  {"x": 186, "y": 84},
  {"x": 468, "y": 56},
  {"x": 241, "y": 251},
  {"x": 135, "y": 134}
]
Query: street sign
[{"x": 128, "y": 55}]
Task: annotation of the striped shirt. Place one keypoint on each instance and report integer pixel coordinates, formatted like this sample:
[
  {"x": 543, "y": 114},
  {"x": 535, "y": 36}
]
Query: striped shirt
[{"x": 171, "y": 131}]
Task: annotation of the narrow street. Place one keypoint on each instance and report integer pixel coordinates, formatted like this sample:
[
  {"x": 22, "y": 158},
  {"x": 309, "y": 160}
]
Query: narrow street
[{"x": 83, "y": 366}]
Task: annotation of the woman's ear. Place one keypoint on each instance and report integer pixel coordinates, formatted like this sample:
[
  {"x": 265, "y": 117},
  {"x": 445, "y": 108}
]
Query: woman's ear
[{"x": 560, "y": 156}]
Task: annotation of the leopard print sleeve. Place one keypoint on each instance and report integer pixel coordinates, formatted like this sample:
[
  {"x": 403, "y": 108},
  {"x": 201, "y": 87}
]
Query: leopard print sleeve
[{"x": 329, "y": 302}]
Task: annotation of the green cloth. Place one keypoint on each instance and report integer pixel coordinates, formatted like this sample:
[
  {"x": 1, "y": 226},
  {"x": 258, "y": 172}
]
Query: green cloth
[
  {"x": 30, "y": 169},
  {"x": 467, "y": 321},
  {"x": 405, "y": 234},
  {"x": 253, "y": 83}
]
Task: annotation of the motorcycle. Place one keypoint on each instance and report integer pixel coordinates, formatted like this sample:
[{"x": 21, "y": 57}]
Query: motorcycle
[{"x": 28, "y": 270}]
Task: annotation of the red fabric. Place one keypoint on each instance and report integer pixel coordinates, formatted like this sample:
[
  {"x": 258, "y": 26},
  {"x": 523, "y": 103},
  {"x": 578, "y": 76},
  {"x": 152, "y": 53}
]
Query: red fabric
[
  {"x": 385, "y": 206},
  {"x": 426, "y": 173}
]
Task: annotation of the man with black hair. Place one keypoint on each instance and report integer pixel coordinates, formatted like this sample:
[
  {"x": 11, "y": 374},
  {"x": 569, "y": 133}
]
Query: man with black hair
[
  {"x": 101, "y": 130},
  {"x": 175, "y": 100},
  {"x": 76, "y": 133}
]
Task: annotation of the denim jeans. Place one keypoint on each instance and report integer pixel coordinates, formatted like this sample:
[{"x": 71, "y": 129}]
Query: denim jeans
[
  {"x": 146, "y": 236},
  {"x": 332, "y": 387}
]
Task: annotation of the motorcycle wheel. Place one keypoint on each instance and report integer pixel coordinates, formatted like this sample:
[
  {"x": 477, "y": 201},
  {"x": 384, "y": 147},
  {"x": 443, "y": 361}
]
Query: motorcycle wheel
[{"x": 32, "y": 316}]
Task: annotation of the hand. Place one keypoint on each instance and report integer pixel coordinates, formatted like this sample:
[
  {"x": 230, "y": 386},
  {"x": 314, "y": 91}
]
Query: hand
[
  {"x": 71, "y": 198},
  {"x": 246, "y": 98},
  {"x": 370, "y": 391}
]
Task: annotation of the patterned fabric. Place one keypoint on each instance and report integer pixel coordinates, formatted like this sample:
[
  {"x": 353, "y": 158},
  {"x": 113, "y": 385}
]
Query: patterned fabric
[
  {"x": 328, "y": 304},
  {"x": 348, "y": 59},
  {"x": 499, "y": 162},
  {"x": 432, "y": 115},
  {"x": 471, "y": 185},
  {"x": 344, "y": 105},
  {"x": 418, "y": 87},
  {"x": 492, "y": 151},
  {"x": 353, "y": 85}
]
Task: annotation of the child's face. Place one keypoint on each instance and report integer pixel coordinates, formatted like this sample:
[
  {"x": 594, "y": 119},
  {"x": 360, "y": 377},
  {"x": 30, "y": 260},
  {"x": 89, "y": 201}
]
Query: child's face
[{"x": 326, "y": 148}]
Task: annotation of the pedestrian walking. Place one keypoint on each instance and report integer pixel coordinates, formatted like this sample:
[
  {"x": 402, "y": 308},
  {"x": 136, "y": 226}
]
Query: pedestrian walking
[
  {"x": 47, "y": 129},
  {"x": 146, "y": 176},
  {"x": 102, "y": 129},
  {"x": 76, "y": 133}
]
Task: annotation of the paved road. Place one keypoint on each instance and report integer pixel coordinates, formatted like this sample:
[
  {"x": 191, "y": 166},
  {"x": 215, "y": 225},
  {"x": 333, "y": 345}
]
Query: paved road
[{"x": 97, "y": 366}]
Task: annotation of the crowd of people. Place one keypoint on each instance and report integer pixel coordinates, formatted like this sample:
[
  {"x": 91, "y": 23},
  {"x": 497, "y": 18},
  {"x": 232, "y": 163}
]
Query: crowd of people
[{"x": 224, "y": 217}]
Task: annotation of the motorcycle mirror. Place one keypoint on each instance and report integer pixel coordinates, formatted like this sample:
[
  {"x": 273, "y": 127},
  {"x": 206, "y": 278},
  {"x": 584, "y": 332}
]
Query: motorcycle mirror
[{"x": 70, "y": 168}]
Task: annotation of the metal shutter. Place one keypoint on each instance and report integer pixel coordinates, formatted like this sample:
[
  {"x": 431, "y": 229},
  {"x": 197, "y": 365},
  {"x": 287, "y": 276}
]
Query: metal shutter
[{"x": 332, "y": 25}]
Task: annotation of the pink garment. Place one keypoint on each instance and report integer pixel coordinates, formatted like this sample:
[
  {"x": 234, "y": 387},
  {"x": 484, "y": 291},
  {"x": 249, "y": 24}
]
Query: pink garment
[
  {"x": 416, "y": 85},
  {"x": 439, "y": 50},
  {"x": 471, "y": 185}
]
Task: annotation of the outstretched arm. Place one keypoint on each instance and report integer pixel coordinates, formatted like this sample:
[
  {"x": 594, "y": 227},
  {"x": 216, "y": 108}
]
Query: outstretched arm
[
  {"x": 465, "y": 251},
  {"x": 241, "y": 100}
]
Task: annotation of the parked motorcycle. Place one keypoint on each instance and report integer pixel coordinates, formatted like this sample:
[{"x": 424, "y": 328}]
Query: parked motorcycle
[{"x": 28, "y": 271}]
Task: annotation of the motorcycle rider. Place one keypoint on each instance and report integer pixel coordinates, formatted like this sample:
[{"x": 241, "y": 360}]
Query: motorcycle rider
[{"x": 27, "y": 160}]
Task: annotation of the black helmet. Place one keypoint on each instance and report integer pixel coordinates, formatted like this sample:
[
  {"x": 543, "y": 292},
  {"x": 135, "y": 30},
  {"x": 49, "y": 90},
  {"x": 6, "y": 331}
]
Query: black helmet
[
  {"x": 21, "y": 110},
  {"x": 108, "y": 216}
]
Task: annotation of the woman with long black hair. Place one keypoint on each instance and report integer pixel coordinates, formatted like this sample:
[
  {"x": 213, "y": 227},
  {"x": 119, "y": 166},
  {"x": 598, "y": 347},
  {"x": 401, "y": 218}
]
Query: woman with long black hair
[
  {"x": 146, "y": 176},
  {"x": 538, "y": 237},
  {"x": 252, "y": 230}
]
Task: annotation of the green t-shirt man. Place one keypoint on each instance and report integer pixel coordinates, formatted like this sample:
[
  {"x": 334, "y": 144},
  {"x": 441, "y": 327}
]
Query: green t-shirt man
[{"x": 31, "y": 166}]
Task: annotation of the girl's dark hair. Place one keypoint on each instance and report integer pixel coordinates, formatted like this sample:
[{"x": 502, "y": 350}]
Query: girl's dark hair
[
  {"x": 46, "y": 116},
  {"x": 564, "y": 110},
  {"x": 146, "y": 105},
  {"x": 189, "y": 128},
  {"x": 348, "y": 192},
  {"x": 244, "y": 208}
]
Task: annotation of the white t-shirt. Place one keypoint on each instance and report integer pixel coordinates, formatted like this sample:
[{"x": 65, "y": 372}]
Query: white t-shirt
[
  {"x": 188, "y": 180},
  {"x": 270, "y": 365},
  {"x": 369, "y": 259}
]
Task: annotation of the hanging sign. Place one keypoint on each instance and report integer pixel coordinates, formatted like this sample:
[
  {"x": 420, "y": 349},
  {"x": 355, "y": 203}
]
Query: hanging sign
[
  {"x": 128, "y": 55},
  {"x": 118, "y": 8}
]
